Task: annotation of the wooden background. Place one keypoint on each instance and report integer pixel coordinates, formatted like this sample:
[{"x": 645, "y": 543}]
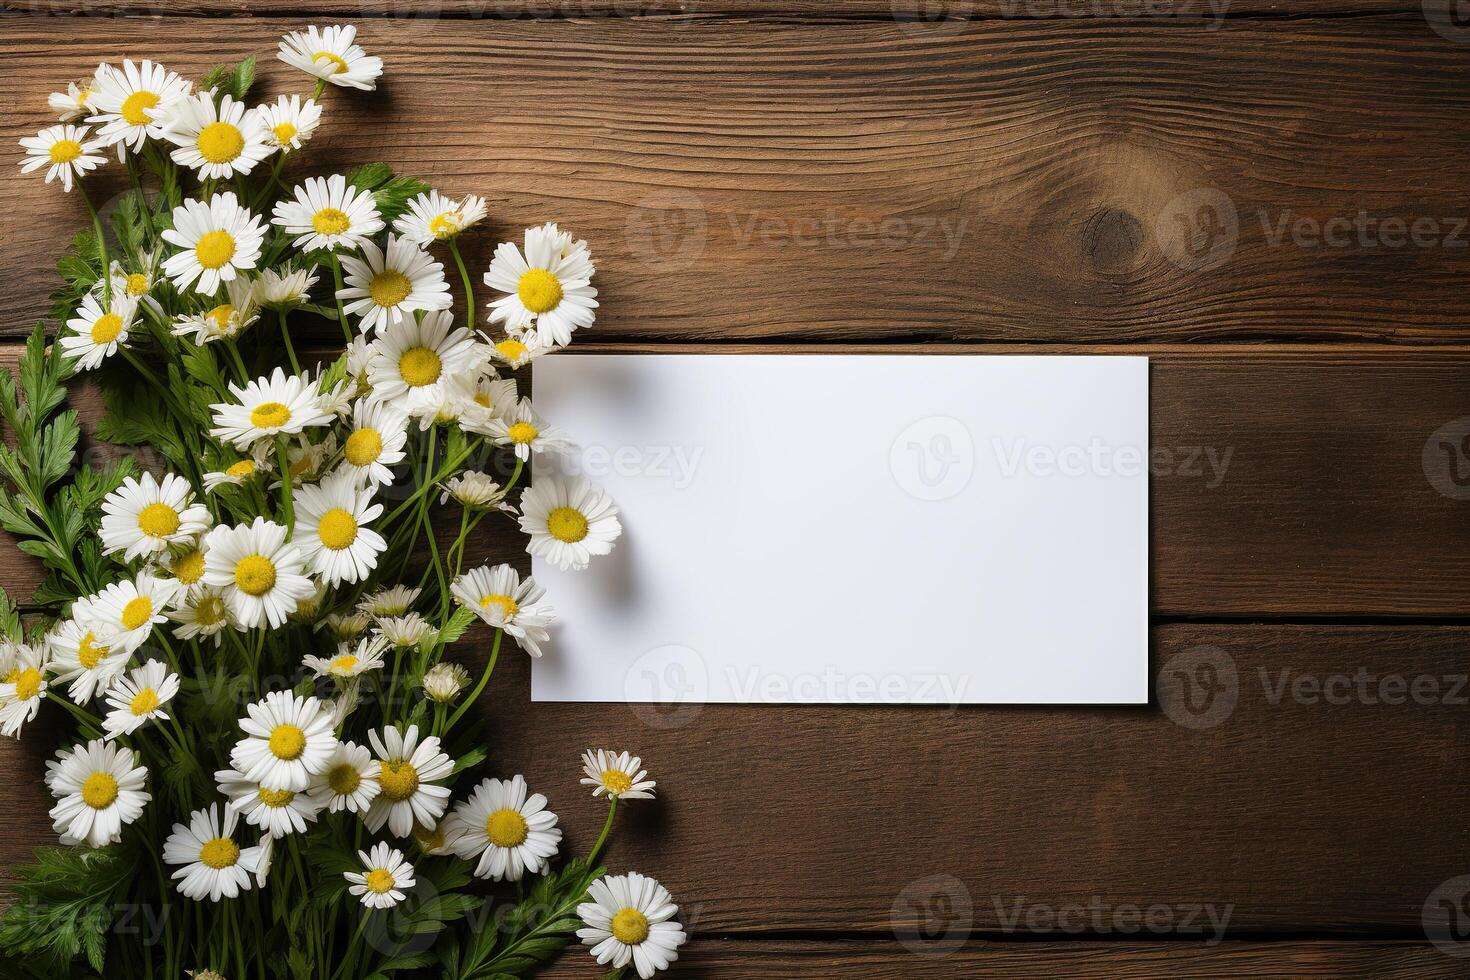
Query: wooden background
[{"x": 779, "y": 175}]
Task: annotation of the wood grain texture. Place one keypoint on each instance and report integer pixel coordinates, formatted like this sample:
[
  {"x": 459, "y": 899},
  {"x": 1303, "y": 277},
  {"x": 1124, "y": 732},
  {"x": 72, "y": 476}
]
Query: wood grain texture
[{"x": 1008, "y": 180}]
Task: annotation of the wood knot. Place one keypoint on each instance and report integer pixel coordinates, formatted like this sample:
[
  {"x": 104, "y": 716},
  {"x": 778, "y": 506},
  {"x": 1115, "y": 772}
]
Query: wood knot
[{"x": 1112, "y": 238}]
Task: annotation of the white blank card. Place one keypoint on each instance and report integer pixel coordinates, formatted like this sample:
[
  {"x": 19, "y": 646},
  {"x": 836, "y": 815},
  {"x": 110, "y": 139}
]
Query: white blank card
[{"x": 913, "y": 529}]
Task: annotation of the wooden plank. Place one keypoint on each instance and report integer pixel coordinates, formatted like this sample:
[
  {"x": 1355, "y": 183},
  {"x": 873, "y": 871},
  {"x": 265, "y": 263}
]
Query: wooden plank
[
  {"x": 1287, "y": 481},
  {"x": 1284, "y": 814},
  {"x": 1010, "y": 180}
]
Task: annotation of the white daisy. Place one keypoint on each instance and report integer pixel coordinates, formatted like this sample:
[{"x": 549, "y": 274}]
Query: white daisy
[
  {"x": 387, "y": 288},
  {"x": 277, "y": 812},
  {"x": 432, "y": 217},
  {"x": 266, "y": 406},
  {"x": 204, "y": 613},
  {"x": 337, "y": 398},
  {"x": 214, "y": 865},
  {"x": 187, "y": 570},
  {"x": 331, "y": 531},
  {"x": 237, "y": 472},
  {"x": 443, "y": 682},
  {"x": 412, "y": 361},
  {"x": 137, "y": 286},
  {"x": 375, "y": 445},
  {"x": 22, "y": 684},
  {"x": 306, "y": 460},
  {"x": 66, "y": 151},
  {"x": 288, "y": 740},
  {"x": 328, "y": 213},
  {"x": 285, "y": 289},
  {"x": 527, "y": 432},
  {"x": 387, "y": 876},
  {"x": 228, "y": 319},
  {"x": 568, "y": 521},
  {"x": 617, "y": 774},
  {"x": 484, "y": 398},
  {"x": 260, "y": 573},
  {"x": 517, "y": 350},
  {"x": 79, "y": 656},
  {"x": 146, "y": 517},
  {"x": 475, "y": 490},
  {"x": 126, "y": 612},
  {"x": 132, "y": 102},
  {"x": 330, "y": 53},
  {"x": 97, "y": 332},
  {"x": 219, "y": 240},
  {"x": 408, "y": 775},
  {"x": 139, "y": 697},
  {"x": 308, "y": 607},
  {"x": 99, "y": 788},
  {"x": 550, "y": 286},
  {"x": 347, "y": 662},
  {"x": 76, "y": 101},
  {"x": 406, "y": 631},
  {"x": 349, "y": 782},
  {"x": 499, "y": 597},
  {"x": 394, "y": 601},
  {"x": 345, "y": 626},
  {"x": 217, "y": 140},
  {"x": 438, "y": 840},
  {"x": 631, "y": 918},
  {"x": 289, "y": 123},
  {"x": 510, "y": 832}
]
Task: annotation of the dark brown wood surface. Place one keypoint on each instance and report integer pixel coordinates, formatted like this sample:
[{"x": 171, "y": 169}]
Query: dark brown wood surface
[{"x": 760, "y": 174}]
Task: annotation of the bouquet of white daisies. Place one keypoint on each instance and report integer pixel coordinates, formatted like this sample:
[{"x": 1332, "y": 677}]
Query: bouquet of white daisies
[{"x": 266, "y": 765}]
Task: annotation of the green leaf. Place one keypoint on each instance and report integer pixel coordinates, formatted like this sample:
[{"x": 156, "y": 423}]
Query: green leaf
[
  {"x": 62, "y": 907},
  {"x": 243, "y": 77}
]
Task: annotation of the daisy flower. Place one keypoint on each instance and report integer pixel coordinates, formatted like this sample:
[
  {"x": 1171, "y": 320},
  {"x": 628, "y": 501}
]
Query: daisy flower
[
  {"x": 393, "y": 601},
  {"x": 285, "y": 289},
  {"x": 260, "y": 573},
  {"x": 518, "y": 350},
  {"x": 550, "y": 286},
  {"x": 80, "y": 657},
  {"x": 345, "y": 627},
  {"x": 443, "y": 682},
  {"x": 330, "y": 53},
  {"x": 76, "y": 101},
  {"x": 99, "y": 788},
  {"x": 125, "y": 612},
  {"x": 146, "y": 517},
  {"x": 387, "y": 876},
  {"x": 137, "y": 286},
  {"x": 219, "y": 240},
  {"x": 22, "y": 684},
  {"x": 568, "y": 521},
  {"x": 331, "y": 531},
  {"x": 277, "y": 812},
  {"x": 386, "y": 288},
  {"x": 204, "y": 613},
  {"x": 527, "y": 432},
  {"x": 214, "y": 866},
  {"x": 617, "y": 774},
  {"x": 267, "y": 406},
  {"x": 405, "y": 631},
  {"x": 187, "y": 569},
  {"x": 408, "y": 775},
  {"x": 66, "y": 152},
  {"x": 631, "y": 918},
  {"x": 306, "y": 460},
  {"x": 412, "y": 361},
  {"x": 439, "y": 840},
  {"x": 217, "y": 140},
  {"x": 499, "y": 597},
  {"x": 236, "y": 473},
  {"x": 512, "y": 833},
  {"x": 376, "y": 442},
  {"x": 290, "y": 122},
  {"x": 228, "y": 319},
  {"x": 97, "y": 332},
  {"x": 432, "y": 217},
  {"x": 474, "y": 490},
  {"x": 131, "y": 103},
  {"x": 288, "y": 740},
  {"x": 349, "y": 782},
  {"x": 138, "y": 697},
  {"x": 347, "y": 663},
  {"x": 328, "y": 213}
]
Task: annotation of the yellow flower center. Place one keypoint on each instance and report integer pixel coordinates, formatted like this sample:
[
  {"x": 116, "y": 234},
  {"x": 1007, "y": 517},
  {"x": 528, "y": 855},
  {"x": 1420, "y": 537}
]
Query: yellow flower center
[
  {"x": 419, "y": 366},
  {"x": 244, "y": 468},
  {"x": 89, "y": 654},
  {"x": 539, "y": 290},
  {"x": 284, "y": 132},
  {"x": 398, "y": 780},
  {"x": 337, "y": 529},
  {"x": 508, "y": 607},
  {"x": 506, "y": 828},
  {"x": 219, "y": 853},
  {"x": 338, "y": 65},
  {"x": 287, "y": 742},
  {"x": 616, "y": 780},
  {"x": 379, "y": 881},
  {"x": 220, "y": 316},
  {"x": 567, "y": 524},
  {"x": 106, "y": 328},
  {"x": 137, "y": 284},
  {"x": 27, "y": 681},
  {"x": 255, "y": 575},
  {"x": 389, "y": 288},
  {"x": 511, "y": 350},
  {"x": 345, "y": 663},
  {"x": 276, "y": 798},
  {"x": 210, "y": 611},
  {"x": 158, "y": 520},
  {"x": 522, "y": 433},
  {"x": 445, "y": 225},
  {"x": 214, "y": 249},
  {"x": 220, "y": 142},
  {"x": 99, "y": 790},
  {"x": 330, "y": 221},
  {"x": 344, "y": 780},
  {"x": 269, "y": 415},
  {"x": 144, "y": 701},
  {"x": 65, "y": 151},
  {"x": 137, "y": 612},
  {"x": 630, "y": 926},
  {"x": 363, "y": 447},
  {"x": 134, "y": 108},
  {"x": 189, "y": 568},
  {"x": 482, "y": 399}
]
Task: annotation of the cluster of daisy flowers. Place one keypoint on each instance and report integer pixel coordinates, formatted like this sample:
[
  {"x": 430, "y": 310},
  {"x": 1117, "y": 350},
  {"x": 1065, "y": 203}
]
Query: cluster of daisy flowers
[{"x": 280, "y": 517}]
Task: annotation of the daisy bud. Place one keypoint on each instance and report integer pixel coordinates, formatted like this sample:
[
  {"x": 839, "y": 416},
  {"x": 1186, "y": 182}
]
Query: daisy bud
[{"x": 444, "y": 681}]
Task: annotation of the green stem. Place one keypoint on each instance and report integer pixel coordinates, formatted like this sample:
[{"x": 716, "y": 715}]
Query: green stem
[
  {"x": 480, "y": 687},
  {"x": 287, "y": 506},
  {"x": 82, "y": 714},
  {"x": 241, "y": 375},
  {"x": 286, "y": 339},
  {"x": 270, "y": 184},
  {"x": 352, "y": 946},
  {"x": 336, "y": 295},
  {"x": 612, "y": 808},
  {"x": 469, "y": 289},
  {"x": 426, "y": 485},
  {"x": 101, "y": 248}
]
